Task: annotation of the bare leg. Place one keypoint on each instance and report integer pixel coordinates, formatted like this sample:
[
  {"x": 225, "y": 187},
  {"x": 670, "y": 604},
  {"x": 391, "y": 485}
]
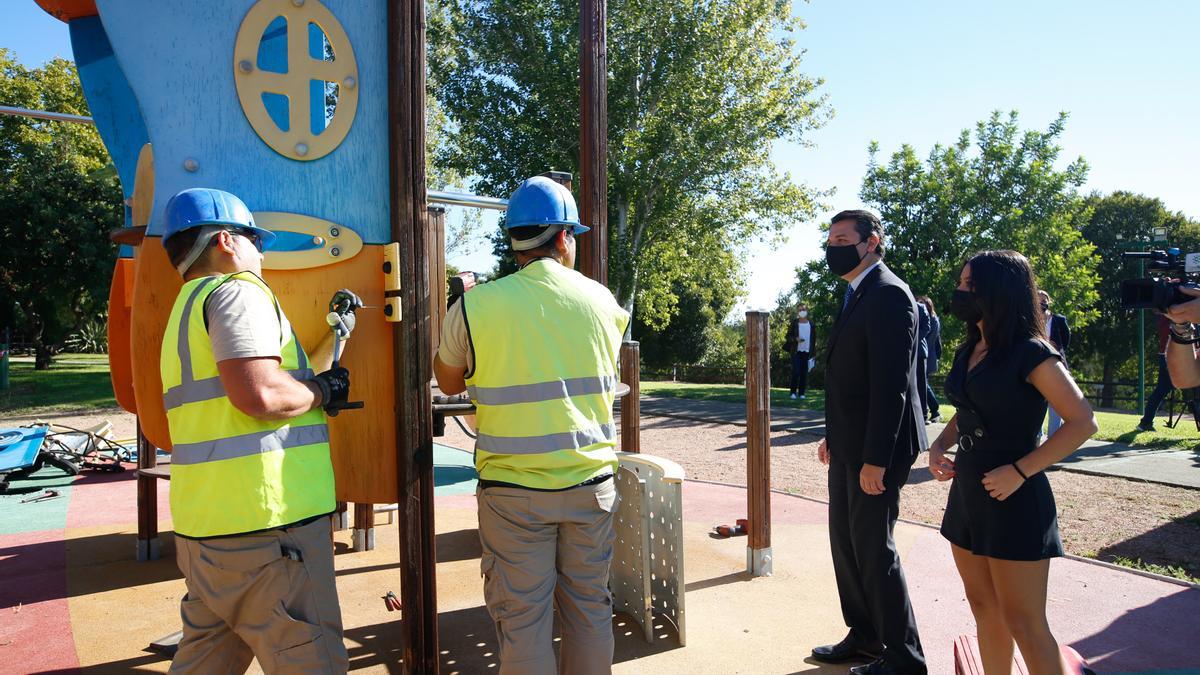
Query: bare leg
[
  {"x": 995, "y": 640},
  {"x": 1021, "y": 588}
]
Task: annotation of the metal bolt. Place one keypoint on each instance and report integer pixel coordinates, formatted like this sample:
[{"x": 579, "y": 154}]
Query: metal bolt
[
  {"x": 191, "y": 165},
  {"x": 318, "y": 241},
  {"x": 335, "y": 251},
  {"x": 245, "y": 66},
  {"x": 350, "y": 82},
  {"x": 302, "y": 149},
  {"x": 335, "y": 232},
  {"x": 298, "y": 3}
]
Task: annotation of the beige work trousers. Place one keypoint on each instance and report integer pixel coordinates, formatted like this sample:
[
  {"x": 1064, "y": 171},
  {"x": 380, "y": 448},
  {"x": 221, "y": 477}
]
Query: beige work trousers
[
  {"x": 248, "y": 596},
  {"x": 544, "y": 551}
]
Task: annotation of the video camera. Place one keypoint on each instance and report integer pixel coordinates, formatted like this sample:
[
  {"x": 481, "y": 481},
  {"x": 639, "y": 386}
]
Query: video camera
[{"x": 1158, "y": 290}]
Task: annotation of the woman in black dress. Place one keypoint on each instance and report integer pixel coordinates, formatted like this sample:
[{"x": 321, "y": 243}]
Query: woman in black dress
[{"x": 1001, "y": 519}]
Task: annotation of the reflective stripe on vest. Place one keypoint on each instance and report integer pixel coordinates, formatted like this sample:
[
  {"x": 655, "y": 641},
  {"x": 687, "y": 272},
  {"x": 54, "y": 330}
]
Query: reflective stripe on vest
[
  {"x": 235, "y": 473},
  {"x": 529, "y": 445},
  {"x": 542, "y": 391},
  {"x": 249, "y": 444}
]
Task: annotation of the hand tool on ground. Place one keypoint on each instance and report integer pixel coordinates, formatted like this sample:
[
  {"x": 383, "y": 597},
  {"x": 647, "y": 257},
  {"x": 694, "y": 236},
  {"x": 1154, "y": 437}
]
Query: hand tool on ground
[{"x": 47, "y": 495}]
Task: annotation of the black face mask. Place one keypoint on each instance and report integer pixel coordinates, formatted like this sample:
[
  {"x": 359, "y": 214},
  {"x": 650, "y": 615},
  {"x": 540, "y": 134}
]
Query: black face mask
[
  {"x": 842, "y": 259},
  {"x": 964, "y": 306}
]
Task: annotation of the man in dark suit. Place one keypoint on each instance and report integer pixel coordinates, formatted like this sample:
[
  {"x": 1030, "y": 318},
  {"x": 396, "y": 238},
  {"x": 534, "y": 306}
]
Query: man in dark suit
[
  {"x": 874, "y": 432},
  {"x": 1059, "y": 333},
  {"x": 924, "y": 325}
]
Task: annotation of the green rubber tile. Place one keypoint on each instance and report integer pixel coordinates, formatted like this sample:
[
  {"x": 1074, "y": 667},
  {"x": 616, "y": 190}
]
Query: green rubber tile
[
  {"x": 49, "y": 514},
  {"x": 453, "y": 471}
]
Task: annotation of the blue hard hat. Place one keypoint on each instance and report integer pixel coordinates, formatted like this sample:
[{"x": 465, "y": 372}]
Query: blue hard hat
[
  {"x": 205, "y": 206},
  {"x": 539, "y": 202}
]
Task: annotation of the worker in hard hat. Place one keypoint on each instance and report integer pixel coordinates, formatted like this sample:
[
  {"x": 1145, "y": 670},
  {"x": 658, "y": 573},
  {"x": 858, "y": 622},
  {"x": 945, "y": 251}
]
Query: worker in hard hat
[
  {"x": 538, "y": 351},
  {"x": 251, "y": 476}
]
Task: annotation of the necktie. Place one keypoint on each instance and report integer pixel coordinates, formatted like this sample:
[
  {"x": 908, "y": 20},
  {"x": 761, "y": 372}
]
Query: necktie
[{"x": 846, "y": 298}]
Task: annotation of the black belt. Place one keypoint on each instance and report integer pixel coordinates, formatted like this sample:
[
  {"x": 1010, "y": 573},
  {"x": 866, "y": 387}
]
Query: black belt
[{"x": 596, "y": 480}]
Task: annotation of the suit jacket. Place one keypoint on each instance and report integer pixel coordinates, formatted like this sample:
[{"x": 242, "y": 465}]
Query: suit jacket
[
  {"x": 1060, "y": 333},
  {"x": 792, "y": 339},
  {"x": 923, "y": 327},
  {"x": 872, "y": 407},
  {"x": 935, "y": 344}
]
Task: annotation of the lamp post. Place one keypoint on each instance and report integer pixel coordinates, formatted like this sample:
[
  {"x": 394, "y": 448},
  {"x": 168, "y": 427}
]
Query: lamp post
[{"x": 1158, "y": 235}]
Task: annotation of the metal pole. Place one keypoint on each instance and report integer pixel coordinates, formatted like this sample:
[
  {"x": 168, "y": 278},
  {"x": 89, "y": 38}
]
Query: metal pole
[
  {"x": 465, "y": 199},
  {"x": 44, "y": 115}
]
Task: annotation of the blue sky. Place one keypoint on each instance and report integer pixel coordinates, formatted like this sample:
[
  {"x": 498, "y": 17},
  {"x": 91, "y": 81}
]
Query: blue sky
[{"x": 920, "y": 71}]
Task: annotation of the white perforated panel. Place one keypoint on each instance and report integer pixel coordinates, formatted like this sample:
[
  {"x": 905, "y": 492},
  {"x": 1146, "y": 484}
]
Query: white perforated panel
[{"x": 650, "y": 534}]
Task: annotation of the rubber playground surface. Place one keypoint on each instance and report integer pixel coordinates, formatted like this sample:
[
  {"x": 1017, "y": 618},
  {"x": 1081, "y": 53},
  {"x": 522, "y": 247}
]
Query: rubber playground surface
[{"x": 73, "y": 599}]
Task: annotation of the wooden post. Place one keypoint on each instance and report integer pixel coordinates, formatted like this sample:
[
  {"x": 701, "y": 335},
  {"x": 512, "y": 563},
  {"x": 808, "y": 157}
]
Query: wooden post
[
  {"x": 363, "y": 536},
  {"x": 631, "y": 405},
  {"x": 437, "y": 275},
  {"x": 593, "y": 139},
  {"x": 411, "y": 339},
  {"x": 758, "y": 442},
  {"x": 341, "y": 517},
  {"x": 147, "y": 500}
]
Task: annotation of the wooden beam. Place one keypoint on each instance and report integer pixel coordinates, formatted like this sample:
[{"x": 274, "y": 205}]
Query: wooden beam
[
  {"x": 412, "y": 345},
  {"x": 437, "y": 275},
  {"x": 758, "y": 442},
  {"x": 147, "y": 500},
  {"x": 631, "y": 405},
  {"x": 593, "y": 139}
]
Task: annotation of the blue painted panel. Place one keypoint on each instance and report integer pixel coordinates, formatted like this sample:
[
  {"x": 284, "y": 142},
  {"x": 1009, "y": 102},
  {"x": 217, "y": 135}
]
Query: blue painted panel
[
  {"x": 182, "y": 73},
  {"x": 112, "y": 103}
]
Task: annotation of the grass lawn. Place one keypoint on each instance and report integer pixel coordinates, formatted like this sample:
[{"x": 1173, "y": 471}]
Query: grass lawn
[
  {"x": 73, "y": 382},
  {"x": 1114, "y": 426}
]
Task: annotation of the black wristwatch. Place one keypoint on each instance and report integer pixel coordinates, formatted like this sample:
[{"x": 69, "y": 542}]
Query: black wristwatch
[{"x": 1185, "y": 333}]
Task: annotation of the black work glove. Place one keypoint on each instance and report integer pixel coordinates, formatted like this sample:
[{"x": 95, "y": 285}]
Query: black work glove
[{"x": 335, "y": 389}]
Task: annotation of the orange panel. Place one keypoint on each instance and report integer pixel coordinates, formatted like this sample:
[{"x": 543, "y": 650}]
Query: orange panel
[
  {"x": 120, "y": 365},
  {"x": 363, "y": 441},
  {"x": 156, "y": 284},
  {"x": 65, "y": 10}
]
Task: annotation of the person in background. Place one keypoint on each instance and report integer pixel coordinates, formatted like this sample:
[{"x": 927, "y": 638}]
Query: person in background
[
  {"x": 934, "y": 343},
  {"x": 1060, "y": 336},
  {"x": 1000, "y": 518},
  {"x": 923, "y": 327},
  {"x": 800, "y": 343},
  {"x": 1164, "y": 385}
]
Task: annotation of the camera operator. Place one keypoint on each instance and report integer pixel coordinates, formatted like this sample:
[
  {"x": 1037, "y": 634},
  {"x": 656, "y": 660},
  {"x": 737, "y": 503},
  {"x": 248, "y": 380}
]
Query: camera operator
[{"x": 1182, "y": 361}]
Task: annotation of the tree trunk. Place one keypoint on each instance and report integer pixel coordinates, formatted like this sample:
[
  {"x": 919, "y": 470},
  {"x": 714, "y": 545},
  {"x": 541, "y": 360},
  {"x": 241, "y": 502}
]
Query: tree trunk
[
  {"x": 42, "y": 355},
  {"x": 1106, "y": 392}
]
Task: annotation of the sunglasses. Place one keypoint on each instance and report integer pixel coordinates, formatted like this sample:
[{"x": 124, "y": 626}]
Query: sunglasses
[{"x": 254, "y": 237}]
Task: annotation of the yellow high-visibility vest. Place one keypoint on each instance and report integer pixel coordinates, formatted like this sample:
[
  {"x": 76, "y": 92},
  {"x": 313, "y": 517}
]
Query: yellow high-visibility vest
[
  {"x": 547, "y": 342},
  {"x": 232, "y": 473}
]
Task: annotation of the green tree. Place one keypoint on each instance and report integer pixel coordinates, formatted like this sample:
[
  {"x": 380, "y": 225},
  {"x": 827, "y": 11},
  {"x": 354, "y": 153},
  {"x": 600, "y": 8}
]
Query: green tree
[
  {"x": 997, "y": 188},
  {"x": 59, "y": 198},
  {"x": 697, "y": 93},
  {"x": 1120, "y": 222}
]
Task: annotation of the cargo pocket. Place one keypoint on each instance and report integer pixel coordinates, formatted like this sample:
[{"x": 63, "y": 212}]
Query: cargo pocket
[
  {"x": 301, "y": 644},
  {"x": 493, "y": 587}
]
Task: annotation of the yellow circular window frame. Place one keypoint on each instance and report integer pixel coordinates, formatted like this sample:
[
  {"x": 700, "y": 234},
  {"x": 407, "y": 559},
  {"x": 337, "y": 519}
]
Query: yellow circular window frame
[{"x": 298, "y": 142}]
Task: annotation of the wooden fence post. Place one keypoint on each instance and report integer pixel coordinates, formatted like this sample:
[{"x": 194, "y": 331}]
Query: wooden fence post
[
  {"x": 147, "y": 500},
  {"x": 758, "y": 442},
  {"x": 631, "y": 405}
]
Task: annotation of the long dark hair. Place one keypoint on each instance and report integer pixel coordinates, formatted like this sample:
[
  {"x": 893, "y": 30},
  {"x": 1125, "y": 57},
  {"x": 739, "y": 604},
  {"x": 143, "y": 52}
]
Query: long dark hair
[{"x": 1004, "y": 287}]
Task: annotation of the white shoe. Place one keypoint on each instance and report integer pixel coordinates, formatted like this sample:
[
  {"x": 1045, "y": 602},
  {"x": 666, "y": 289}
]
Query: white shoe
[
  {"x": 801, "y": 396},
  {"x": 793, "y": 396}
]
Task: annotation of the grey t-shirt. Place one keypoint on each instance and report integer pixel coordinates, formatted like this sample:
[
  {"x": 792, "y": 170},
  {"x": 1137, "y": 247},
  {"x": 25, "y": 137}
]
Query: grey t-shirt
[{"x": 244, "y": 323}]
